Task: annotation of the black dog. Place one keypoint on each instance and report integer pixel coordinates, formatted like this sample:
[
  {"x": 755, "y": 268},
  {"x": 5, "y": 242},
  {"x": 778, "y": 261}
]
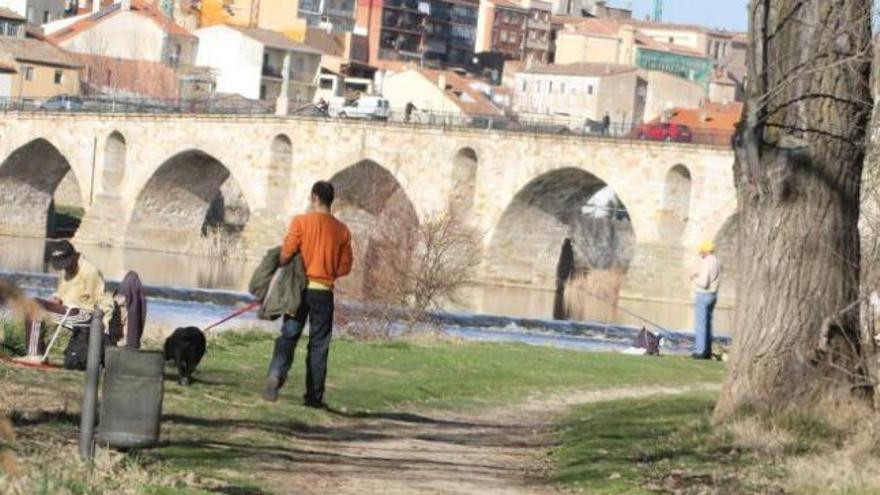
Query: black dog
[{"x": 185, "y": 347}]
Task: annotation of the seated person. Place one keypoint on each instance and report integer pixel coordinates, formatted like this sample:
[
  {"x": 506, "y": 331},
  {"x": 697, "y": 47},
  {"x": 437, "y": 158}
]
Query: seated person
[{"x": 80, "y": 285}]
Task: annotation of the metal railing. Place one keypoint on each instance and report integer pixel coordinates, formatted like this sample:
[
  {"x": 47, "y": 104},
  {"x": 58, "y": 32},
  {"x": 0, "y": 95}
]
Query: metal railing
[{"x": 560, "y": 125}]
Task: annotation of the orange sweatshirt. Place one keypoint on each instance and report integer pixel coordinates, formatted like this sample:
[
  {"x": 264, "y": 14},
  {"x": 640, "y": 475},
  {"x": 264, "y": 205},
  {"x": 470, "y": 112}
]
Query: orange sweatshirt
[{"x": 324, "y": 244}]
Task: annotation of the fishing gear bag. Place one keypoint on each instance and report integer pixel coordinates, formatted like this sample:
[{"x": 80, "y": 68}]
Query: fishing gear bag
[{"x": 649, "y": 341}]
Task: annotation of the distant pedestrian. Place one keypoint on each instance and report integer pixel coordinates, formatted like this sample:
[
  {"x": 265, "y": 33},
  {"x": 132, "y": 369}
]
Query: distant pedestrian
[
  {"x": 706, "y": 283},
  {"x": 606, "y": 124},
  {"x": 324, "y": 244},
  {"x": 408, "y": 110}
]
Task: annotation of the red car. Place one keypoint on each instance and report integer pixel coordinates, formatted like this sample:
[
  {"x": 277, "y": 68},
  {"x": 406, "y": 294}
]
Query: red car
[{"x": 664, "y": 132}]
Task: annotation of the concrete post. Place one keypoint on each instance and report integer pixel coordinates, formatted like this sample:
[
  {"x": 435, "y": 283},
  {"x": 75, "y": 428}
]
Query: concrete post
[
  {"x": 282, "y": 104},
  {"x": 90, "y": 392}
]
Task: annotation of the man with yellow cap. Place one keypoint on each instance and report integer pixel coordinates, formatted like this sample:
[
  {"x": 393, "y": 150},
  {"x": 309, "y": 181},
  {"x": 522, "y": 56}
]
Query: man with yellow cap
[{"x": 706, "y": 282}]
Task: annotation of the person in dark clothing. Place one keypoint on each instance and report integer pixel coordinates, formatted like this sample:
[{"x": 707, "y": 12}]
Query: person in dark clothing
[
  {"x": 324, "y": 244},
  {"x": 564, "y": 271},
  {"x": 131, "y": 308},
  {"x": 606, "y": 124},
  {"x": 408, "y": 110}
]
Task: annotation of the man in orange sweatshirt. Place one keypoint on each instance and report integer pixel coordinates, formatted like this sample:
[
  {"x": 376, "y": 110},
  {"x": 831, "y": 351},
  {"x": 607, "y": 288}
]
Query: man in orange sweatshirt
[{"x": 324, "y": 244}]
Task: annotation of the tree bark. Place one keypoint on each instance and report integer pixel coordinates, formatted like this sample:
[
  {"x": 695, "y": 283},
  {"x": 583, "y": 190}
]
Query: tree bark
[{"x": 799, "y": 153}]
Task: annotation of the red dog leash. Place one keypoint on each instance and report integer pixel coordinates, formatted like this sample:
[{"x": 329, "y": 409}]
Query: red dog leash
[{"x": 239, "y": 312}]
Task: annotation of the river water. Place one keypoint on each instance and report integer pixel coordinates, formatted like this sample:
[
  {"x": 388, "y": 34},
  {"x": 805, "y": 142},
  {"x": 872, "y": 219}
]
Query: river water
[{"x": 164, "y": 269}]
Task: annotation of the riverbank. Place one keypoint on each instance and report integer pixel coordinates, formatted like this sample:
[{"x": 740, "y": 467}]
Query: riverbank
[
  {"x": 438, "y": 413},
  {"x": 172, "y": 307}
]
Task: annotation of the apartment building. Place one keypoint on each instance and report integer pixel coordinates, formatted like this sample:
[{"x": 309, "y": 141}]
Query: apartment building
[
  {"x": 519, "y": 30},
  {"x": 433, "y": 33}
]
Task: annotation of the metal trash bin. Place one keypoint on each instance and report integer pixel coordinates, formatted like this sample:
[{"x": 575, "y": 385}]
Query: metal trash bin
[{"x": 131, "y": 398}]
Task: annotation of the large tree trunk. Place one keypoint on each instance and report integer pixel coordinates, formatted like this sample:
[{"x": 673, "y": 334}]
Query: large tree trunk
[{"x": 799, "y": 154}]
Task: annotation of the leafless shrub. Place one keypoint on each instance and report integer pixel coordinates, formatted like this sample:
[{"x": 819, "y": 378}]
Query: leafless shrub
[
  {"x": 411, "y": 271},
  {"x": 443, "y": 260}
]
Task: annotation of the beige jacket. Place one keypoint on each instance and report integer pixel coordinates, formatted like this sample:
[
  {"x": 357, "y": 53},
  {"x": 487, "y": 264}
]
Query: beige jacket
[
  {"x": 708, "y": 279},
  {"x": 85, "y": 289}
]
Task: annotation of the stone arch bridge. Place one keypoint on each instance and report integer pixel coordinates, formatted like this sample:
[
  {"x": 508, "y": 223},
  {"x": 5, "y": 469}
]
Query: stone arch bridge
[{"x": 164, "y": 182}]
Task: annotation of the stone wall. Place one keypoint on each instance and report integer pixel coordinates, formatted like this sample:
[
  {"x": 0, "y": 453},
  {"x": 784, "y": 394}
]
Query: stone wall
[{"x": 153, "y": 184}]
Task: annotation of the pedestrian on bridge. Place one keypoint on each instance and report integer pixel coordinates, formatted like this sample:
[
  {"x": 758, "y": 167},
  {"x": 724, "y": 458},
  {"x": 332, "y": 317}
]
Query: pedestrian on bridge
[
  {"x": 706, "y": 283},
  {"x": 324, "y": 244}
]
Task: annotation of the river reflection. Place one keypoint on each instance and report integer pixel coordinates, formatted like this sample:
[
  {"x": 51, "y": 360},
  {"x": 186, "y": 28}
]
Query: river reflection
[{"x": 156, "y": 268}]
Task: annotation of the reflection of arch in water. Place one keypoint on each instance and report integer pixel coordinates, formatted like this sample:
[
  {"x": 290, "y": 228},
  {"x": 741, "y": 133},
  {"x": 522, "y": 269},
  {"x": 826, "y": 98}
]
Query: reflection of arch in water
[
  {"x": 464, "y": 182},
  {"x": 564, "y": 203},
  {"x": 29, "y": 179},
  {"x": 382, "y": 220},
  {"x": 190, "y": 196}
]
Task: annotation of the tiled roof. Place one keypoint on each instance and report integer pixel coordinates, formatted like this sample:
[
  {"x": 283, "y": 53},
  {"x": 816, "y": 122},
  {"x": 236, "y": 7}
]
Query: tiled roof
[
  {"x": 712, "y": 116},
  {"x": 140, "y": 7},
  {"x": 592, "y": 26},
  {"x": 37, "y": 51},
  {"x": 652, "y": 44},
  {"x": 275, "y": 39},
  {"x": 585, "y": 69},
  {"x": 458, "y": 89},
  {"x": 508, "y": 4},
  {"x": 10, "y": 14}
]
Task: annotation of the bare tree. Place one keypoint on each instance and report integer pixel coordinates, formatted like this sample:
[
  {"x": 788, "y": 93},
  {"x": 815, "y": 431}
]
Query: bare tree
[
  {"x": 415, "y": 269},
  {"x": 799, "y": 155}
]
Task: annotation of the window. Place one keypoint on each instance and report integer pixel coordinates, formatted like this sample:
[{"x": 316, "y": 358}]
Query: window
[
  {"x": 525, "y": 87},
  {"x": 326, "y": 84},
  {"x": 590, "y": 89},
  {"x": 59, "y": 76},
  {"x": 550, "y": 87},
  {"x": 299, "y": 64},
  {"x": 28, "y": 73},
  {"x": 262, "y": 91},
  {"x": 46, "y": 16}
]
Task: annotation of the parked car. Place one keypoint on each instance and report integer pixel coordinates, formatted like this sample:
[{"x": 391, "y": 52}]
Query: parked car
[
  {"x": 62, "y": 102},
  {"x": 366, "y": 107},
  {"x": 664, "y": 132}
]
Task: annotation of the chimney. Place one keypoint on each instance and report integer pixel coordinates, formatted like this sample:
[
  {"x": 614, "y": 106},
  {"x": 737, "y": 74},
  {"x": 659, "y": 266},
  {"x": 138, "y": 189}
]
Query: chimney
[
  {"x": 125, "y": 5},
  {"x": 96, "y": 6},
  {"x": 441, "y": 81}
]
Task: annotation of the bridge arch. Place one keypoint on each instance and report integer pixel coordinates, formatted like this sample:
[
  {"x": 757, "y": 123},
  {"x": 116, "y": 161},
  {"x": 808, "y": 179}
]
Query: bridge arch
[
  {"x": 383, "y": 223},
  {"x": 564, "y": 203},
  {"x": 30, "y": 177},
  {"x": 114, "y": 162},
  {"x": 464, "y": 181},
  {"x": 191, "y": 203}
]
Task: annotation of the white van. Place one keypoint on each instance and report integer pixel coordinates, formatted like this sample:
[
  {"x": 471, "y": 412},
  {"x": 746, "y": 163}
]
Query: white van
[{"x": 366, "y": 107}]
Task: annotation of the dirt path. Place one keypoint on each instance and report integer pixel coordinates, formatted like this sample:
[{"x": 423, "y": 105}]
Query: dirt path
[{"x": 498, "y": 452}]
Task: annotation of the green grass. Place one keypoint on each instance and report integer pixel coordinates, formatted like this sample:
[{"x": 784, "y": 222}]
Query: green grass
[
  {"x": 220, "y": 429},
  {"x": 668, "y": 444}
]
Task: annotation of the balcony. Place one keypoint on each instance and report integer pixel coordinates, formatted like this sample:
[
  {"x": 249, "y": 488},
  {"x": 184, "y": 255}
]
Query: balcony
[
  {"x": 539, "y": 25},
  {"x": 341, "y": 13},
  {"x": 408, "y": 5},
  {"x": 271, "y": 72},
  {"x": 537, "y": 44}
]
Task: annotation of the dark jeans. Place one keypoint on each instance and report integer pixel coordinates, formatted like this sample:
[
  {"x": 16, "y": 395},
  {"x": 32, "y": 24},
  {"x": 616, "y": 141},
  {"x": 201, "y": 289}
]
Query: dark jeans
[{"x": 317, "y": 306}]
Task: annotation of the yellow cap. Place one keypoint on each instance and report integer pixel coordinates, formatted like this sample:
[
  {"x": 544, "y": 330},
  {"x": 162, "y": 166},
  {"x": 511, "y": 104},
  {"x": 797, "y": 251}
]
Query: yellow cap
[{"x": 706, "y": 247}]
